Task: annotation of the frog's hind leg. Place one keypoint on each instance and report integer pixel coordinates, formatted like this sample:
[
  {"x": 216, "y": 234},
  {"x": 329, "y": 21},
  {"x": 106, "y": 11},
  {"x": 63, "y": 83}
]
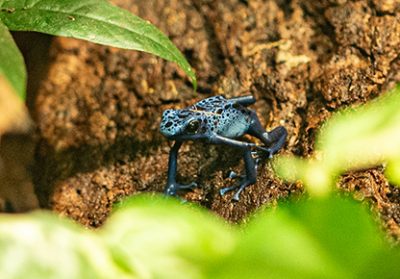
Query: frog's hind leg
[
  {"x": 244, "y": 100},
  {"x": 246, "y": 180},
  {"x": 274, "y": 139},
  {"x": 258, "y": 159}
]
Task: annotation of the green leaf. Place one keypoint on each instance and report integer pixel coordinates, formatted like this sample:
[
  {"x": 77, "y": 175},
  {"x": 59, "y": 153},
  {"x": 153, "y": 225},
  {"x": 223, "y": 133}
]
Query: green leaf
[
  {"x": 92, "y": 20},
  {"x": 314, "y": 176},
  {"x": 155, "y": 237},
  {"x": 323, "y": 238},
  {"x": 363, "y": 137},
  {"x": 393, "y": 171},
  {"x": 12, "y": 66},
  {"x": 40, "y": 246}
]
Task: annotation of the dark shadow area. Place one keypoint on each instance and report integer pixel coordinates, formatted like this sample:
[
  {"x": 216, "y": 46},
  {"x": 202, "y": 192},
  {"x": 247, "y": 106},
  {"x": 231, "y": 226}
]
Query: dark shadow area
[{"x": 16, "y": 150}]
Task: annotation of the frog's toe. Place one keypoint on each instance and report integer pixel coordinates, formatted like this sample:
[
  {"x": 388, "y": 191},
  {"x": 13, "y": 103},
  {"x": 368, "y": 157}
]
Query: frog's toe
[
  {"x": 264, "y": 152},
  {"x": 244, "y": 183},
  {"x": 234, "y": 175},
  {"x": 236, "y": 196},
  {"x": 225, "y": 190},
  {"x": 172, "y": 189},
  {"x": 189, "y": 186}
]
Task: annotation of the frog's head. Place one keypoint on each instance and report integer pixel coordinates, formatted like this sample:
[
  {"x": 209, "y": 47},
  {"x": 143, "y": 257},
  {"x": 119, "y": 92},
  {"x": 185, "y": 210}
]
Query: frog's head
[{"x": 180, "y": 124}]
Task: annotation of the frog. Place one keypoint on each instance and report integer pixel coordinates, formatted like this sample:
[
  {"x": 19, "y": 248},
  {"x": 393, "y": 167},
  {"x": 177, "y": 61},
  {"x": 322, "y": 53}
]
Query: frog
[{"x": 222, "y": 121}]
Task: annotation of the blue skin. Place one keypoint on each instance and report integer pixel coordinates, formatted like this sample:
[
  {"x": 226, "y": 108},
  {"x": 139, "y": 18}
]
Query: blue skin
[{"x": 219, "y": 121}]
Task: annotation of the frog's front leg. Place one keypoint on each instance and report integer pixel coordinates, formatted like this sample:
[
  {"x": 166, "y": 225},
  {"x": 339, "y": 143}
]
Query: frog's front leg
[
  {"x": 172, "y": 186},
  {"x": 246, "y": 180},
  {"x": 217, "y": 139}
]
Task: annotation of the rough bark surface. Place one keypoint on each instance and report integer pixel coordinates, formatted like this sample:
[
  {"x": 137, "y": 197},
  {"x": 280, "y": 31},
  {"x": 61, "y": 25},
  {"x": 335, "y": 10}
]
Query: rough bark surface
[{"x": 98, "y": 109}]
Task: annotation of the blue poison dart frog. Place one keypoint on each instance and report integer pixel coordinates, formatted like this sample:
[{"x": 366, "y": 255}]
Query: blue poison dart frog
[{"x": 218, "y": 120}]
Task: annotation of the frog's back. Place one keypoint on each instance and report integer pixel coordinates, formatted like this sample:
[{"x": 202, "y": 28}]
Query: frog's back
[
  {"x": 211, "y": 104},
  {"x": 226, "y": 117}
]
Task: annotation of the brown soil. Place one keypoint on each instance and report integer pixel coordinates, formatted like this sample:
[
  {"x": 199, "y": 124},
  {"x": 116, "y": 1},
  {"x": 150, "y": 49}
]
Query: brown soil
[{"x": 97, "y": 108}]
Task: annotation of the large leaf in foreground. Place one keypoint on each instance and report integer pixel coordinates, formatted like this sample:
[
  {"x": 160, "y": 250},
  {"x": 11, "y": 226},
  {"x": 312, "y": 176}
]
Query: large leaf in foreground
[
  {"x": 93, "y": 20},
  {"x": 160, "y": 238},
  {"x": 41, "y": 246},
  {"x": 320, "y": 238}
]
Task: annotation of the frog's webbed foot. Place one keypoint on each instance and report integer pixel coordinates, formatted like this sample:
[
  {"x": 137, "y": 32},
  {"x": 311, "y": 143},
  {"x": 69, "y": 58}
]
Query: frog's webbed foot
[
  {"x": 246, "y": 180},
  {"x": 173, "y": 188},
  {"x": 263, "y": 152},
  {"x": 258, "y": 156},
  {"x": 233, "y": 175},
  {"x": 239, "y": 186}
]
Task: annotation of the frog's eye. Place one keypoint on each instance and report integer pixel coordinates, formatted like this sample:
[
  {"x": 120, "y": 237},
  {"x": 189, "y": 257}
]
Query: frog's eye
[{"x": 193, "y": 126}]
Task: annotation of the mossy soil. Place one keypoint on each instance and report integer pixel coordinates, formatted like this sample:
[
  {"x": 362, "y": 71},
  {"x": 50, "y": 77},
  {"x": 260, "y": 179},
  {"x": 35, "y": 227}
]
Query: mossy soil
[{"x": 97, "y": 109}]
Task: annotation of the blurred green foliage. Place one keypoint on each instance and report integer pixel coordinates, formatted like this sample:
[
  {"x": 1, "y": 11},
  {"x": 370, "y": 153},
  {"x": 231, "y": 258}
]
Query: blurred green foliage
[
  {"x": 352, "y": 139},
  {"x": 156, "y": 237},
  {"x": 161, "y": 238}
]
